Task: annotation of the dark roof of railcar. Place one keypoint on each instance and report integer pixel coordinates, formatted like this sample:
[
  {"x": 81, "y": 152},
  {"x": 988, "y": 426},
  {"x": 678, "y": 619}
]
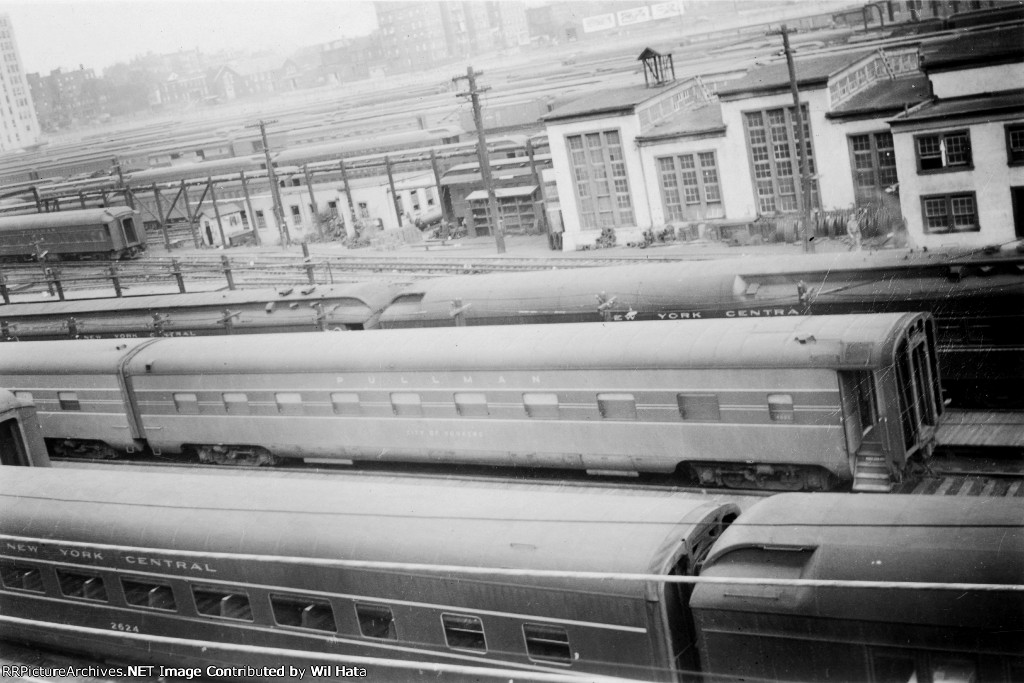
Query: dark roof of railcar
[
  {"x": 390, "y": 519},
  {"x": 372, "y": 295},
  {"x": 823, "y": 342},
  {"x": 62, "y": 219}
]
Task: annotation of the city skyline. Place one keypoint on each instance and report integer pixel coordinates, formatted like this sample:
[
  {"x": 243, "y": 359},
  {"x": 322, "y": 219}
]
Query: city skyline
[{"x": 62, "y": 33}]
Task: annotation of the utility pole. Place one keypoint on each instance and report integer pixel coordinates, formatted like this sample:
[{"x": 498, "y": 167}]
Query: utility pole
[
  {"x": 275, "y": 191},
  {"x": 801, "y": 141},
  {"x": 485, "y": 166}
]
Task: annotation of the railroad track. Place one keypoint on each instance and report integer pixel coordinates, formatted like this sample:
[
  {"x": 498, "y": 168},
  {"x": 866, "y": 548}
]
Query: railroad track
[{"x": 951, "y": 483}]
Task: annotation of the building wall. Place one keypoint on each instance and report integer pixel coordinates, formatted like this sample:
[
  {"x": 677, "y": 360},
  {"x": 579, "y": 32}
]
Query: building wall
[
  {"x": 974, "y": 81},
  {"x": 19, "y": 126},
  {"x": 628, "y": 128},
  {"x": 990, "y": 179}
]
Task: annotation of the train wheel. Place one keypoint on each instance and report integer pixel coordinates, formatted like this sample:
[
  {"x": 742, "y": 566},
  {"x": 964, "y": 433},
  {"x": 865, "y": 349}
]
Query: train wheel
[{"x": 250, "y": 456}]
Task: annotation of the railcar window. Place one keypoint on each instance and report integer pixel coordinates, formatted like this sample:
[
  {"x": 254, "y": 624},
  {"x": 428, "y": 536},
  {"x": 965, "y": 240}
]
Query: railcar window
[
  {"x": 187, "y": 404},
  {"x": 547, "y": 643},
  {"x": 236, "y": 403},
  {"x": 617, "y": 406},
  {"x": 24, "y": 395},
  {"x": 68, "y": 400},
  {"x": 376, "y": 621},
  {"x": 147, "y": 594},
  {"x": 953, "y": 669},
  {"x": 215, "y": 602},
  {"x": 21, "y": 577},
  {"x": 289, "y": 403},
  {"x": 406, "y": 404},
  {"x": 345, "y": 403},
  {"x": 300, "y": 612},
  {"x": 541, "y": 406},
  {"x": 464, "y": 633},
  {"x": 471, "y": 404},
  {"x": 780, "y": 407},
  {"x": 85, "y": 586},
  {"x": 699, "y": 407},
  {"x": 892, "y": 668},
  {"x": 12, "y": 448}
]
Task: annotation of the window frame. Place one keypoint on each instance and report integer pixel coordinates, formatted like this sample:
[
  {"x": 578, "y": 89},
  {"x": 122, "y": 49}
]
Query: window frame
[
  {"x": 876, "y": 154},
  {"x": 674, "y": 180},
  {"x": 598, "y": 184},
  {"x": 950, "y": 227},
  {"x": 941, "y": 138},
  {"x": 446, "y": 616},
  {"x": 765, "y": 162},
  {"x": 392, "y": 628},
  {"x": 1010, "y": 129}
]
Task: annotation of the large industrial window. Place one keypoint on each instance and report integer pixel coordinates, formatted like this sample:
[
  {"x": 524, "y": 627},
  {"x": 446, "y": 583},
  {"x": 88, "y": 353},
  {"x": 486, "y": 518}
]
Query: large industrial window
[
  {"x": 288, "y": 402},
  {"x": 85, "y": 586},
  {"x": 345, "y": 403},
  {"x": 547, "y": 643},
  {"x": 775, "y": 158},
  {"x": 617, "y": 406},
  {"x": 1015, "y": 144},
  {"x": 148, "y": 594},
  {"x": 699, "y": 407},
  {"x": 302, "y": 612},
  {"x": 602, "y": 185},
  {"x": 690, "y": 187},
  {"x": 186, "y": 403},
  {"x": 943, "y": 151},
  {"x": 471, "y": 404},
  {"x": 874, "y": 164},
  {"x": 21, "y": 577},
  {"x": 542, "y": 406},
  {"x": 780, "y": 407},
  {"x": 236, "y": 403},
  {"x": 216, "y": 602},
  {"x": 376, "y": 621},
  {"x": 464, "y": 633},
  {"x": 406, "y": 404},
  {"x": 68, "y": 400},
  {"x": 950, "y": 213}
]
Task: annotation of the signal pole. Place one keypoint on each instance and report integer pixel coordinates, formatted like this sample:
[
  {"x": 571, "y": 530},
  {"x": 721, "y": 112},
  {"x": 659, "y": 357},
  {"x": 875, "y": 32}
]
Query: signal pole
[
  {"x": 481, "y": 150},
  {"x": 275, "y": 191},
  {"x": 801, "y": 141}
]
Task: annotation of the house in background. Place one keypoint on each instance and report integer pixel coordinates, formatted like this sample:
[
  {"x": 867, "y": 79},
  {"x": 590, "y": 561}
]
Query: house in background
[{"x": 960, "y": 155}]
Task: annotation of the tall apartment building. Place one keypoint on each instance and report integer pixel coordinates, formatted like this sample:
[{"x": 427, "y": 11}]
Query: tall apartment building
[
  {"x": 419, "y": 35},
  {"x": 18, "y": 124}
]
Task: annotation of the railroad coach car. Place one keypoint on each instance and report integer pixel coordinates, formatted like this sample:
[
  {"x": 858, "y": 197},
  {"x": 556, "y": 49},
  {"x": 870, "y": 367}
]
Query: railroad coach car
[
  {"x": 786, "y": 403},
  {"x": 244, "y": 561},
  {"x": 832, "y": 633},
  {"x": 325, "y": 307},
  {"x": 977, "y": 301},
  {"x": 107, "y": 233}
]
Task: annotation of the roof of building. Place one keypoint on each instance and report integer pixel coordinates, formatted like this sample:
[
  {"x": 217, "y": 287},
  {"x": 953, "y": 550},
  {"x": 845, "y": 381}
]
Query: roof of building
[
  {"x": 619, "y": 100},
  {"x": 987, "y": 104},
  {"x": 707, "y": 119},
  {"x": 810, "y": 71},
  {"x": 885, "y": 96},
  {"x": 999, "y": 46}
]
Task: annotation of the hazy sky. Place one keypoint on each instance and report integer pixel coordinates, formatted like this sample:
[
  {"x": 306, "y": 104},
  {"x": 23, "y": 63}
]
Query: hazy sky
[{"x": 99, "y": 33}]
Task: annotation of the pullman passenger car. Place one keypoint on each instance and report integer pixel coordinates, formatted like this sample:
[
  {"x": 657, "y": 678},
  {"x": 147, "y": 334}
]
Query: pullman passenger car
[
  {"x": 790, "y": 633},
  {"x": 786, "y": 403},
  {"x": 187, "y": 570},
  {"x": 239, "y": 560},
  {"x": 106, "y": 233}
]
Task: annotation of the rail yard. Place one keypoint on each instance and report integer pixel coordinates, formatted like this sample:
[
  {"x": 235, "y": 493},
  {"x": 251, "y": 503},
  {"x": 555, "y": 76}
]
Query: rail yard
[{"x": 388, "y": 453}]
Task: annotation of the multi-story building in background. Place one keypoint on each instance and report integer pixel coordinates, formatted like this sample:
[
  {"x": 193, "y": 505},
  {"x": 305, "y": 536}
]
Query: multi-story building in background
[
  {"x": 19, "y": 127},
  {"x": 417, "y": 35},
  {"x": 66, "y": 97}
]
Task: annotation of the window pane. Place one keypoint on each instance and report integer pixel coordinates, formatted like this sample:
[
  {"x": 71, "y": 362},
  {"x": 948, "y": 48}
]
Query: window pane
[
  {"x": 186, "y": 403},
  {"x": 21, "y": 577},
  {"x": 236, "y": 403},
  {"x": 406, "y": 404},
  {"x": 780, "y": 407},
  {"x": 146, "y": 594},
  {"x": 376, "y": 621},
  {"x": 464, "y": 633},
  {"x": 68, "y": 400},
  {"x": 471, "y": 404},
  {"x": 547, "y": 643},
  {"x": 700, "y": 407},
  {"x": 214, "y": 602},
  {"x": 617, "y": 406},
  {"x": 302, "y": 612},
  {"x": 345, "y": 403},
  {"x": 289, "y": 403},
  {"x": 543, "y": 406}
]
